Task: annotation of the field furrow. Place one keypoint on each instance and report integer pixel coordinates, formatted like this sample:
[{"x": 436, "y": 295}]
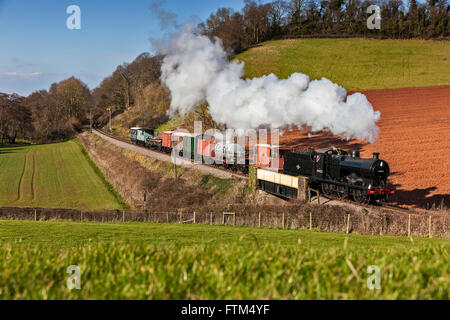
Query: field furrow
[
  {"x": 414, "y": 139},
  {"x": 55, "y": 175},
  {"x": 33, "y": 189},
  {"x": 19, "y": 188}
]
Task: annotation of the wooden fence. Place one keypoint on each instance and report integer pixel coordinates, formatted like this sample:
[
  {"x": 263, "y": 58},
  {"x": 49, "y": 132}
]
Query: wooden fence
[{"x": 303, "y": 216}]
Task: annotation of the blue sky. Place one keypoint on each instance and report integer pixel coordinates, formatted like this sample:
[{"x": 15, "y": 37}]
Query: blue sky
[{"x": 37, "y": 49}]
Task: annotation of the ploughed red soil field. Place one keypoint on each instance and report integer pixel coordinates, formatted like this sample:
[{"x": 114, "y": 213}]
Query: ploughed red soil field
[{"x": 414, "y": 139}]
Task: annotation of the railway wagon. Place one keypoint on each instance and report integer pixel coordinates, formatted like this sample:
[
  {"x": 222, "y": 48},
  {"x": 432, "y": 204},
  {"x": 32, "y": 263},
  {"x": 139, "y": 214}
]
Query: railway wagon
[
  {"x": 205, "y": 145},
  {"x": 232, "y": 156},
  {"x": 279, "y": 184},
  {"x": 189, "y": 145},
  {"x": 270, "y": 157},
  {"x": 167, "y": 141},
  {"x": 143, "y": 134},
  {"x": 178, "y": 141},
  {"x": 154, "y": 143}
]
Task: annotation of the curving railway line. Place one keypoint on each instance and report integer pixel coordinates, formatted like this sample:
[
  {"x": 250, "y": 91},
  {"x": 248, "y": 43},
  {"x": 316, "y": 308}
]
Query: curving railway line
[
  {"x": 228, "y": 174},
  {"x": 162, "y": 156}
]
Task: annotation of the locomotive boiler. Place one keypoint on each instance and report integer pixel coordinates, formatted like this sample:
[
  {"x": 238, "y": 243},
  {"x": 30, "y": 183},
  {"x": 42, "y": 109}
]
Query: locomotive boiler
[{"x": 337, "y": 173}]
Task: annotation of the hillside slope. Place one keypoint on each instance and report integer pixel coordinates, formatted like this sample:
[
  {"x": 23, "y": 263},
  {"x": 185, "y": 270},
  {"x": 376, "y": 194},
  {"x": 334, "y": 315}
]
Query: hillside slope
[
  {"x": 355, "y": 64},
  {"x": 56, "y": 175}
]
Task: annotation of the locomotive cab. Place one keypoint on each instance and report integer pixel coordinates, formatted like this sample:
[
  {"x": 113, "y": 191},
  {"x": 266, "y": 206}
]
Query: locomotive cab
[{"x": 340, "y": 174}]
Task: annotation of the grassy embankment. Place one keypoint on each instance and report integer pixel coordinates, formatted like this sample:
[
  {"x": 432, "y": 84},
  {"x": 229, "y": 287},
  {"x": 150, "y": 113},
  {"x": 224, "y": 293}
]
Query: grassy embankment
[{"x": 220, "y": 189}]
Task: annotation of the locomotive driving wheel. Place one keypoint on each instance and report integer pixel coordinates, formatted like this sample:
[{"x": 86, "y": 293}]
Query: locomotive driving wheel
[
  {"x": 327, "y": 189},
  {"x": 361, "y": 197},
  {"x": 341, "y": 192}
]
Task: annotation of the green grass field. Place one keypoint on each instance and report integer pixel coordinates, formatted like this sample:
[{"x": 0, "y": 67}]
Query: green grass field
[
  {"x": 53, "y": 176},
  {"x": 355, "y": 64},
  {"x": 162, "y": 261}
]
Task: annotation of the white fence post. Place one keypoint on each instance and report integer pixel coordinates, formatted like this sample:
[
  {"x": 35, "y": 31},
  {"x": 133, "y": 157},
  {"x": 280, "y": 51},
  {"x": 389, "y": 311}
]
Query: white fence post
[
  {"x": 409, "y": 225},
  {"x": 310, "y": 219},
  {"x": 429, "y": 226},
  {"x": 348, "y": 222}
]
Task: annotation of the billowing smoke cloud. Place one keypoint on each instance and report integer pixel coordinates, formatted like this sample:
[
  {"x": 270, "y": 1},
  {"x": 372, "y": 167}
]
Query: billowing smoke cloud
[
  {"x": 166, "y": 19},
  {"x": 197, "y": 70}
]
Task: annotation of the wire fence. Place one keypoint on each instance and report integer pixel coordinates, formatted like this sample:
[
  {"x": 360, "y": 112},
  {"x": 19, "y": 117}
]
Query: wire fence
[{"x": 304, "y": 216}]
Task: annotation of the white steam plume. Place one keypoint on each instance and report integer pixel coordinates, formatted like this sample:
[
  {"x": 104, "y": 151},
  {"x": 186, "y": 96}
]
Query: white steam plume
[{"x": 197, "y": 70}]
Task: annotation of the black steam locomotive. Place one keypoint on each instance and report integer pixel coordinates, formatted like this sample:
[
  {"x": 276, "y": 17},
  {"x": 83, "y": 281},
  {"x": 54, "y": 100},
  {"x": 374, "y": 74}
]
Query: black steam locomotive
[{"x": 337, "y": 173}]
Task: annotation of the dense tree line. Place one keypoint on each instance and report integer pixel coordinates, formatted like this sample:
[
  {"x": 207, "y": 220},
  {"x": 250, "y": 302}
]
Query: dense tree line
[
  {"x": 258, "y": 22},
  {"x": 127, "y": 82},
  {"x": 133, "y": 84},
  {"x": 45, "y": 116},
  {"x": 15, "y": 118},
  {"x": 60, "y": 112}
]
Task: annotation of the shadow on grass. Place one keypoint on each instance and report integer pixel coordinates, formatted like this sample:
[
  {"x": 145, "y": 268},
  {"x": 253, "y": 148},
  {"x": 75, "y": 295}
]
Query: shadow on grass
[{"x": 9, "y": 149}]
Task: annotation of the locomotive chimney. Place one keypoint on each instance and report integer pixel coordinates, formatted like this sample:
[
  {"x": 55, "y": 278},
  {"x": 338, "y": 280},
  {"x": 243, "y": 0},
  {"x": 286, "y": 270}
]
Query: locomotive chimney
[
  {"x": 355, "y": 153},
  {"x": 376, "y": 155}
]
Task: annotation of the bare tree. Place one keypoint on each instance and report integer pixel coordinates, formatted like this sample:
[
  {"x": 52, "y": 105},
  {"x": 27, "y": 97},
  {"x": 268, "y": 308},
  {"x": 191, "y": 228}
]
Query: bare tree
[{"x": 15, "y": 118}]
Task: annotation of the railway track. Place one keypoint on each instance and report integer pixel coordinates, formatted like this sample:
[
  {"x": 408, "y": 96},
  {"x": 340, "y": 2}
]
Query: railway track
[
  {"x": 245, "y": 176},
  {"x": 230, "y": 173},
  {"x": 384, "y": 206}
]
